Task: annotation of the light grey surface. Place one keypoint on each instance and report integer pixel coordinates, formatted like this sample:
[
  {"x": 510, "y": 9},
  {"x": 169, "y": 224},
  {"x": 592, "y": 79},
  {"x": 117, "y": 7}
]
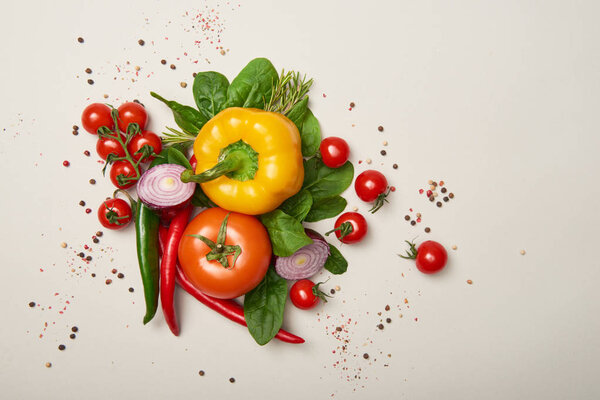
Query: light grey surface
[{"x": 499, "y": 99}]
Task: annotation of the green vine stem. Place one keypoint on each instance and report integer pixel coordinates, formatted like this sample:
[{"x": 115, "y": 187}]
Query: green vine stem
[{"x": 345, "y": 229}]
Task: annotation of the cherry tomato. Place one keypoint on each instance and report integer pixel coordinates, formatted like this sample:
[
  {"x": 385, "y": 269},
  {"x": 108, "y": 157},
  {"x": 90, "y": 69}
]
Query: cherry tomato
[
  {"x": 107, "y": 145},
  {"x": 132, "y": 112},
  {"x": 211, "y": 277},
  {"x": 142, "y": 139},
  {"x": 305, "y": 294},
  {"x": 114, "y": 214},
  {"x": 430, "y": 257},
  {"x": 124, "y": 168},
  {"x": 350, "y": 227},
  {"x": 334, "y": 151},
  {"x": 370, "y": 184},
  {"x": 96, "y": 115}
]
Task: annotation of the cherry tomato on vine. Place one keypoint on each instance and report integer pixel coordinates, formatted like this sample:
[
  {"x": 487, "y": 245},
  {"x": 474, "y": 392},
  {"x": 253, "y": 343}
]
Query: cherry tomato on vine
[
  {"x": 371, "y": 186},
  {"x": 140, "y": 140},
  {"x": 242, "y": 272},
  {"x": 114, "y": 214},
  {"x": 122, "y": 167},
  {"x": 107, "y": 145},
  {"x": 96, "y": 115},
  {"x": 132, "y": 112},
  {"x": 334, "y": 151},
  {"x": 350, "y": 227},
  {"x": 305, "y": 295},
  {"x": 430, "y": 257}
]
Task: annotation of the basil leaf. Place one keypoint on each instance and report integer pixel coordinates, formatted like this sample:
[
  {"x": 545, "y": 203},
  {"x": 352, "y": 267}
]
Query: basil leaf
[
  {"x": 210, "y": 92},
  {"x": 253, "y": 85},
  {"x": 175, "y": 156},
  {"x": 263, "y": 307},
  {"x": 200, "y": 199},
  {"x": 336, "y": 263},
  {"x": 298, "y": 112},
  {"x": 298, "y": 205},
  {"x": 326, "y": 208},
  {"x": 286, "y": 233},
  {"x": 323, "y": 182},
  {"x": 187, "y": 118},
  {"x": 310, "y": 133}
]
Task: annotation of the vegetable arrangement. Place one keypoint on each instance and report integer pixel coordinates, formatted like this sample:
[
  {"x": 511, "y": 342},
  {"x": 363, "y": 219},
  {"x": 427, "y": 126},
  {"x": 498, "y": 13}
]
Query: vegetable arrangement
[{"x": 259, "y": 170}]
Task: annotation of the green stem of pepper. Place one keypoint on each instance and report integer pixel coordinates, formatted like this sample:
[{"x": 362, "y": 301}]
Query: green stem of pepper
[{"x": 146, "y": 229}]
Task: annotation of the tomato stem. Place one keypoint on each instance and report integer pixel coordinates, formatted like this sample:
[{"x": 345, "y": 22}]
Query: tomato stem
[
  {"x": 219, "y": 250},
  {"x": 344, "y": 228},
  {"x": 411, "y": 252},
  {"x": 380, "y": 201}
]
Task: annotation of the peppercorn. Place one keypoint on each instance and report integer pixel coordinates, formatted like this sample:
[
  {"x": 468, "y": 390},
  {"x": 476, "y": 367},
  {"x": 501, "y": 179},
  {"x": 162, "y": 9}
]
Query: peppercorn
[
  {"x": 72, "y": 336},
  {"x": 407, "y": 217},
  {"x": 183, "y": 84},
  {"x": 95, "y": 240},
  {"x": 163, "y": 62},
  {"x": 120, "y": 275},
  {"x": 201, "y": 373},
  {"x": 48, "y": 364},
  {"x": 90, "y": 81},
  {"x": 61, "y": 347},
  {"x": 451, "y": 195},
  {"x": 352, "y": 104},
  {"x": 130, "y": 290},
  {"x": 413, "y": 222},
  {"x": 74, "y": 329},
  {"x": 431, "y": 198},
  {"x": 81, "y": 254},
  {"x": 66, "y": 163},
  {"x": 86, "y": 153},
  {"x": 99, "y": 233},
  {"x": 387, "y": 307},
  {"x": 395, "y": 166},
  {"x": 380, "y": 326},
  {"x": 232, "y": 380},
  {"x": 380, "y": 128},
  {"x": 88, "y": 210},
  {"x": 194, "y": 75},
  {"x": 82, "y": 203},
  {"x": 446, "y": 198},
  {"x": 439, "y": 204},
  {"x": 383, "y": 152},
  {"x": 366, "y": 356},
  {"x": 444, "y": 190},
  {"x": 388, "y": 320},
  {"x": 92, "y": 181},
  {"x": 75, "y": 133},
  {"x": 88, "y": 258},
  {"x": 428, "y": 229},
  {"x": 80, "y": 40},
  {"x": 108, "y": 281},
  {"x": 32, "y": 304},
  {"x": 172, "y": 66},
  {"x": 88, "y": 70},
  {"x": 114, "y": 271},
  {"x": 141, "y": 42},
  {"x": 332, "y": 291},
  {"x": 93, "y": 275},
  {"x": 339, "y": 328}
]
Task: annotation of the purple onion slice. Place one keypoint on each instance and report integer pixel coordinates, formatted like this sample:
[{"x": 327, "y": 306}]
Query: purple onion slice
[
  {"x": 162, "y": 190},
  {"x": 305, "y": 262}
]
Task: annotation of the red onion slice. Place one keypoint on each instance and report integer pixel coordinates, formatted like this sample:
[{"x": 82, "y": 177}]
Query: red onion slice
[
  {"x": 305, "y": 262},
  {"x": 161, "y": 188}
]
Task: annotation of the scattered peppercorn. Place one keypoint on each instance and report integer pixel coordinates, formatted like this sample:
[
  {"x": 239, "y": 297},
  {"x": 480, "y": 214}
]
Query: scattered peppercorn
[
  {"x": 441, "y": 183},
  {"x": 232, "y": 380},
  {"x": 446, "y": 198},
  {"x": 141, "y": 42},
  {"x": 75, "y": 133},
  {"x": 63, "y": 245},
  {"x": 366, "y": 356},
  {"x": 201, "y": 373},
  {"x": 72, "y": 336},
  {"x": 86, "y": 153},
  {"x": 388, "y": 320},
  {"x": 470, "y": 282},
  {"x": 93, "y": 275},
  {"x": 90, "y": 81},
  {"x": 88, "y": 210},
  {"x": 413, "y": 222},
  {"x": 88, "y": 70},
  {"x": 96, "y": 240},
  {"x": 332, "y": 291},
  {"x": 32, "y": 304},
  {"x": 66, "y": 163},
  {"x": 74, "y": 329},
  {"x": 380, "y": 326},
  {"x": 48, "y": 364},
  {"x": 120, "y": 275},
  {"x": 444, "y": 190},
  {"x": 183, "y": 84},
  {"x": 99, "y": 233},
  {"x": 81, "y": 254},
  {"x": 339, "y": 328},
  {"x": 92, "y": 181},
  {"x": 428, "y": 229},
  {"x": 61, "y": 347},
  {"x": 114, "y": 271},
  {"x": 439, "y": 204},
  {"x": 172, "y": 66},
  {"x": 431, "y": 198},
  {"x": 352, "y": 104},
  {"x": 193, "y": 74},
  {"x": 108, "y": 281},
  {"x": 80, "y": 40},
  {"x": 82, "y": 203},
  {"x": 130, "y": 290},
  {"x": 163, "y": 62},
  {"x": 88, "y": 258},
  {"x": 387, "y": 307},
  {"x": 451, "y": 195},
  {"x": 75, "y": 128},
  {"x": 383, "y": 152},
  {"x": 395, "y": 166},
  {"x": 407, "y": 217},
  {"x": 380, "y": 128}
]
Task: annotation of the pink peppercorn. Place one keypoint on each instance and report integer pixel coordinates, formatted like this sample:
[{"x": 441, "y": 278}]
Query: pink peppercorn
[{"x": 66, "y": 163}]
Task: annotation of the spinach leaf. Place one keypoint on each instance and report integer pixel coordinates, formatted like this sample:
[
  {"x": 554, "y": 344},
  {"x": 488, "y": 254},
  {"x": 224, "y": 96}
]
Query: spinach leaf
[
  {"x": 326, "y": 208},
  {"x": 263, "y": 307},
  {"x": 336, "y": 263},
  {"x": 210, "y": 92},
  {"x": 323, "y": 182},
  {"x": 298, "y": 205},
  {"x": 187, "y": 118},
  {"x": 286, "y": 233},
  {"x": 175, "y": 156},
  {"x": 298, "y": 112},
  {"x": 310, "y": 133},
  {"x": 200, "y": 199},
  {"x": 253, "y": 85}
]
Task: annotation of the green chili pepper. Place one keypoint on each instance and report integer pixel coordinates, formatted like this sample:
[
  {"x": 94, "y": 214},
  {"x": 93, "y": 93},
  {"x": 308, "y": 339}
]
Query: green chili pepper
[{"x": 146, "y": 229}]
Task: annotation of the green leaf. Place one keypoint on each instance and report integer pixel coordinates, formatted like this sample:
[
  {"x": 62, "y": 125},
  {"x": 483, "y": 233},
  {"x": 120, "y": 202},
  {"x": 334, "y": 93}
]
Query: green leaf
[
  {"x": 159, "y": 159},
  {"x": 298, "y": 112},
  {"x": 336, "y": 263},
  {"x": 286, "y": 233},
  {"x": 187, "y": 118},
  {"x": 263, "y": 307},
  {"x": 326, "y": 208},
  {"x": 310, "y": 133},
  {"x": 210, "y": 92},
  {"x": 298, "y": 205},
  {"x": 324, "y": 182},
  {"x": 175, "y": 156},
  {"x": 253, "y": 85},
  {"x": 200, "y": 199}
]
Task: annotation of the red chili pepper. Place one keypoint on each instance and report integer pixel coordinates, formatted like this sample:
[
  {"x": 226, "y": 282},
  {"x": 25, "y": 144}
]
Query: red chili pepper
[
  {"x": 168, "y": 265},
  {"x": 228, "y": 308}
]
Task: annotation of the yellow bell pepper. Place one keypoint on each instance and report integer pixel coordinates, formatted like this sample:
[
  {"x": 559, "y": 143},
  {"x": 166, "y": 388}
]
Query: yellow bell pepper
[{"x": 248, "y": 160}]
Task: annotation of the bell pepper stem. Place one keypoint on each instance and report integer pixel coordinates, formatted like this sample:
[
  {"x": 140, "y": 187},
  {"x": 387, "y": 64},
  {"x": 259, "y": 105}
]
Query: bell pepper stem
[{"x": 232, "y": 162}]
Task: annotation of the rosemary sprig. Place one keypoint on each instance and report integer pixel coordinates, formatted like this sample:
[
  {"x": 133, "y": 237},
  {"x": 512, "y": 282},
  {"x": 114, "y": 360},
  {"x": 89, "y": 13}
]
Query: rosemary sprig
[
  {"x": 289, "y": 90},
  {"x": 175, "y": 137}
]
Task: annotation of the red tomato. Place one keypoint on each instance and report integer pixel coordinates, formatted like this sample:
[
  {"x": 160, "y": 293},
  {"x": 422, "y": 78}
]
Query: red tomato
[
  {"x": 334, "y": 151},
  {"x": 132, "y": 112},
  {"x": 96, "y": 115},
  {"x": 124, "y": 168},
  {"x": 211, "y": 277},
  {"x": 142, "y": 139},
  {"x": 350, "y": 227},
  {"x": 303, "y": 294},
  {"x": 370, "y": 184},
  {"x": 107, "y": 145},
  {"x": 114, "y": 214},
  {"x": 431, "y": 257}
]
